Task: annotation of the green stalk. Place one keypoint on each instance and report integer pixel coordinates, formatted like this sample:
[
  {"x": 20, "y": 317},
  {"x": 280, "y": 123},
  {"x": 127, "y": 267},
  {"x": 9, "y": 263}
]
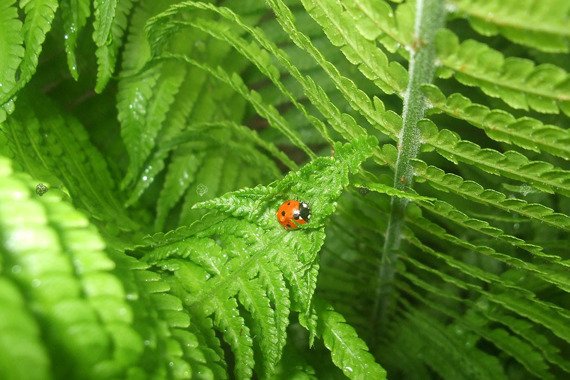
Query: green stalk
[{"x": 430, "y": 16}]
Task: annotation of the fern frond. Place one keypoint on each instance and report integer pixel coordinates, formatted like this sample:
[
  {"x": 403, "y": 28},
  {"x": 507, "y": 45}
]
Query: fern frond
[
  {"x": 135, "y": 93},
  {"x": 391, "y": 191},
  {"x": 449, "y": 212},
  {"x": 199, "y": 176},
  {"x": 541, "y": 25},
  {"x": 64, "y": 273},
  {"x": 549, "y": 316},
  {"x": 37, "y": 22},
  {"x": 20, "y": 340},
  {"x": 225, "y": 31},
  {"x": 447, "y": 353},
  {"x": 181, "y": 173},
  {"x": 482, "y": 315},
  {"x": 75, "y": 14},
  {"x": 160, "y": 85},
  {"x": 236, "y": 82},
  {"x": 209, "y": 68},
  {"x": 341, "y": 122},
  {"x": 175, "y": 345},
  {"x": 517, "y": 81},
  {"x": 511, "y": 345},
  {"x": 390, "y": 77},
  {"x": 553, "y": 275},
  {"x": 348, "y": 352},
  {"x": 527, "y": 331},
  {"x": 236, "y": 333},
  {"x": 248, "y": 265},
  {"x": 499, "y": 125},
  {"x": 38, "y": 18},
  {"x": 511, "y": 164},
  {"x": 45, "y": 140},
  {"x": 373, "y": 110},
  {"x": 109, "y": 26},
  {"x": 11, "y": 51},
  {"x": 473, "y": 191},
  {"x": 376, "y": 20}
]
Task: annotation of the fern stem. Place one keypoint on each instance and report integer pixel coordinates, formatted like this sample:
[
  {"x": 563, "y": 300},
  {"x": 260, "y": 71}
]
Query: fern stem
[{"x": 430, "y": 16}]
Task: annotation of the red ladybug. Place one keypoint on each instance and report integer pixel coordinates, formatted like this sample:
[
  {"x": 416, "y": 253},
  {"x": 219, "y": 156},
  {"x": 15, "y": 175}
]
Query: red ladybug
[{"x": 292, "y": 213}]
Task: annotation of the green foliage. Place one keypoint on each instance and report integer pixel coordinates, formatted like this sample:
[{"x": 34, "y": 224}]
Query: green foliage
[{"x": 145, "y": 147}]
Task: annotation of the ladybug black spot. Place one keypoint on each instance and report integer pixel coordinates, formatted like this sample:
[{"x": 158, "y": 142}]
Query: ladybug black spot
[
  {"x": 289, "y": 225},
  {"x": 288, "y": 203},
  {"x": 282, "y": 213}
]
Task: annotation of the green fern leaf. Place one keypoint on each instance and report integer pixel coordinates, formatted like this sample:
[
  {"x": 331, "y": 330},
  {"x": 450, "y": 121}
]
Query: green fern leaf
[
  {"x": 475, "y": 192},
  {"x": 552, "y": 275},
  {"x": 541, "y": 25},
  {"x": 349, "y": 353},
  {"x": 39, "y": 15},
  {"x": 537, "y": 311},
  {"x": 47, "y": 141},
  {"x": 236, "y": 82},
  {"x": 64, "y": 272},
  {"x": 444, "y": 349},
  {"x": 526, "y": 330},
  {"x": 182, "y": 172},
  {"x": 510, "y": 164},
  {"x": 510, "y": 344},
  {"x": 248, "y": 265},
  {"x": 75, "y": 14},
  {"x": 341, "y": 122},
  {"x": 373, "y": 110},
  {"x": 376, "y": 20},
  {"x": 391, "y": 191},
  {"x": 11, "y": 52},
  {"x": 226, "y": 32},
  {"x": 201, "y": 176},
  {"x": 20, "y": 340},
  {"x": 109, "y": 27},
  {"x": 521, "y": 84},
  {"x": 525, "y": 132},
  {"x": 104, "y": 15},
  {"x": 390, "y": 77}
]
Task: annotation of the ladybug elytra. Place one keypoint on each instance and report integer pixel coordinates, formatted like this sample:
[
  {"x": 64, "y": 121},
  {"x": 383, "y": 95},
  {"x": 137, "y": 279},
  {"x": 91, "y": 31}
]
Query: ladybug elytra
[{"x": 293, "y": 213}]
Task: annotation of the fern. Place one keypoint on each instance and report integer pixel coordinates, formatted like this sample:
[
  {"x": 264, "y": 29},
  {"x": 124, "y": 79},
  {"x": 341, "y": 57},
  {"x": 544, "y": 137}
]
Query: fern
[
  {"x": 145, "y": 146},
  {"x": 75, "y": 14},
  {"x": 255, "y": 264},
  {"x": 57, "y": 260},
  {"x": 499, "y": 125},
  {"x": 541, "y": 25},
  {"x": 12, "y": 51}
]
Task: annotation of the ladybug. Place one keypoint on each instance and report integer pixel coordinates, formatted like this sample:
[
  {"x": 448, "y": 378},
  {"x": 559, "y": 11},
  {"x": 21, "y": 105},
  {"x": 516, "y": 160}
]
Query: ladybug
[{"x": 292, "y": 213}]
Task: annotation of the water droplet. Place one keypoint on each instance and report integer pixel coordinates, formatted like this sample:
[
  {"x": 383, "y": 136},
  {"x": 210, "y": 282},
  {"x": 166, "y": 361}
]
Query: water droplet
[
  {"x": 17, "y": 269},
  {"x": 132, "y": 296},
  {"x": 36, "y": 283},
  {"x": 348, "y": 369},
  {"x": 171, "y": 364},
  {"x": 146, "y": 342},
  {"x": 201, "y": 189}
]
